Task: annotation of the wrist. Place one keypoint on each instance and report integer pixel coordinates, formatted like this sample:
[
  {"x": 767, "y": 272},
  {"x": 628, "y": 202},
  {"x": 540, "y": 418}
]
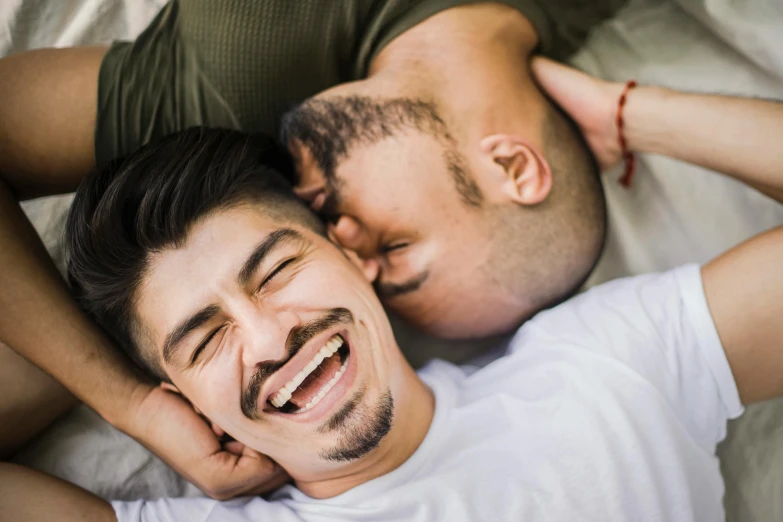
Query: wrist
[
  {"x": 644, "y": 114},
  {"x": 121, "y": 412}
]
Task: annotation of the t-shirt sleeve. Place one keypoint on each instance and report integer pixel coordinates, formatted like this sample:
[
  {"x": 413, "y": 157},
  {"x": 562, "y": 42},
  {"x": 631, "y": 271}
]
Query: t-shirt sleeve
[
  {"x": 153, "y": 87},
  {"x": 198, "y": 509},
  {"x": 659, "y": 326}
]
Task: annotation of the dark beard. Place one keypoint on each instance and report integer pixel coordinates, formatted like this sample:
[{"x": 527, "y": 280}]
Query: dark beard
[{"x": 362, "y": 430}]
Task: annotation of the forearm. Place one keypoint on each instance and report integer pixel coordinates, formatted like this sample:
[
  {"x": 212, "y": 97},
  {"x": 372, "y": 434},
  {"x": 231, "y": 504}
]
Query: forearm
[
  {"x": 41, "y": 322},
  {"x": 29, "y": 401},
  {"x": 33, "y": 496},
  {"x": 736, "y": 136}
]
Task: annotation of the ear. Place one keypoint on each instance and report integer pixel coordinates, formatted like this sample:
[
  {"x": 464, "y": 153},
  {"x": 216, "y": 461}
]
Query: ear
[
  {"x": 525, "y": 177},
  {"x": 173, "y": 389}
]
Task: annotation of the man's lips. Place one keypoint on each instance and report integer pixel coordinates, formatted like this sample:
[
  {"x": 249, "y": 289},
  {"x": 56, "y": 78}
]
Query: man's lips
[
  {"x": 311, "y": 384},
  {"x": 298, "y": 362},
  {"x": 303, "y": 342},
  {"x": 329, "y": 399}
]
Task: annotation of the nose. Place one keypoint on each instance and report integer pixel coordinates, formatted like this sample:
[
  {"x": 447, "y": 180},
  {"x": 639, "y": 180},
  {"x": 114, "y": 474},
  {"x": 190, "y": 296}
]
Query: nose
[
  {"x": 265, "y": 335},
  {"x": 352, "y": 235}
]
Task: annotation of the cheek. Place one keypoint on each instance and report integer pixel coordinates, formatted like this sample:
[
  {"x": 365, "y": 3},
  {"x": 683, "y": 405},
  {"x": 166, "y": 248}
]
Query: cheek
[
  {"x": 384, "y": 196},
  {"x": 329, "y": 282},
  {"x": 216, "y": 392}
]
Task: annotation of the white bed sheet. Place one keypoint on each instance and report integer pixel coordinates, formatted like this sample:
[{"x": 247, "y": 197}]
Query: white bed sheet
[{"x": 673, "y": 214}]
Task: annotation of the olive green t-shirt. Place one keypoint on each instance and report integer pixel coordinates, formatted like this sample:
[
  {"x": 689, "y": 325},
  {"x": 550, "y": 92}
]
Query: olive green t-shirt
[{"x": 243, "y": 63}]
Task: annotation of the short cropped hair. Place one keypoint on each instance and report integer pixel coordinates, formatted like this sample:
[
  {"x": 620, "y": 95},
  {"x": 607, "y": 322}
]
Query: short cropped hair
[
  {"x": 331, "y": 127},
  {"x": 146, "y": 202},
  {"x": 547, "y": 253}
]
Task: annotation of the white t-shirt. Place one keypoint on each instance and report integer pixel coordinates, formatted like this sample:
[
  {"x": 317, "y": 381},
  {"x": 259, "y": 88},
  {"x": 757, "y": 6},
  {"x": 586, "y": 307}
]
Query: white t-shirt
[{"x": 606, "y": 408}]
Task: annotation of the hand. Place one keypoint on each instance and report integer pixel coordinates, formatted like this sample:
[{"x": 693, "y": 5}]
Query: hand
[
  {"x": 590, "y": 102},
  {"x": 168, "y": 426}
]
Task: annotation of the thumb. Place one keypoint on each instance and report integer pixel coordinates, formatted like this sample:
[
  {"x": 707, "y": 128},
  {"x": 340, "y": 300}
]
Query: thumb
[
  {"x": 243, "y": 474},
  {"x": 565, "y": 85}
]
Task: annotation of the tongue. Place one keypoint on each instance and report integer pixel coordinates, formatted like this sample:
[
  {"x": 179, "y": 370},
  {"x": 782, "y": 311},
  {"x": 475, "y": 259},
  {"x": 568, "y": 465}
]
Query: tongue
[{"x": 316, "y": 381}]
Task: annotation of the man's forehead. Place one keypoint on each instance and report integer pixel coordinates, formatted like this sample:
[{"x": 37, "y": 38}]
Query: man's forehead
[{"x": 183, "y": 277}]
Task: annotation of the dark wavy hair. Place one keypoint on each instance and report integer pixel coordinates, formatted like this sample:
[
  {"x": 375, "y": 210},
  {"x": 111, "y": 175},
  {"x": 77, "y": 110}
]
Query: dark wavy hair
[{"x": 146, "y": 201}]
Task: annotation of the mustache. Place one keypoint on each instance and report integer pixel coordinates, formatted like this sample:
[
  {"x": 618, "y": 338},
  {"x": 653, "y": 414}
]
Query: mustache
[{"x": 297, "y": 338}]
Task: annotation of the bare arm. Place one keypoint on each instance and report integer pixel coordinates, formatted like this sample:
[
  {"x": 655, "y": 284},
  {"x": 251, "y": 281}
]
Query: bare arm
[
  {"x": 33, "y": 496},
  {"x": 46, "y": 146},
  {"x": 740, "y": 137},
  {"x": 744, "y": 289},
  {"x": 29, "y": 401},
  {"x": 47, "y": 119}
]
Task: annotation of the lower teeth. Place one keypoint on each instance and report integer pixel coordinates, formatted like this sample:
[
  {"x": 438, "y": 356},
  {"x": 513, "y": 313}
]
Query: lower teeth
[{"x": 329, "y": 385}]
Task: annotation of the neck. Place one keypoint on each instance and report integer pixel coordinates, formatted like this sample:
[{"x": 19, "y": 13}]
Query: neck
[
  {"x": 414, "y": 407},
  {"x": 472, "y": 62}
]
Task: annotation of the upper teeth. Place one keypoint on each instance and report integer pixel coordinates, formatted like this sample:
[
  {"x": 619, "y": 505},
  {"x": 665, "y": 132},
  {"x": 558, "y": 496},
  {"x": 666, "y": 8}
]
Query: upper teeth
[{"x": 283, "y": 395}]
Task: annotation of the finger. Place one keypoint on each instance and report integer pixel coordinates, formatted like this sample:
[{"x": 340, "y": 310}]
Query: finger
[
  {"x": 556, "y": 78},
  {"x": 235, "y": 448},
  {"x": 227, "y": 475},
  {"x": 275, "y": 477},
  {"x": 217, "y": 430}
]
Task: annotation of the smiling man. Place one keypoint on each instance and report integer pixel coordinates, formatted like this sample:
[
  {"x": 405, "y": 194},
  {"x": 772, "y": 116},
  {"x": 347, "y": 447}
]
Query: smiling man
[
  {"x": 194, "y": 253},
  {"x": 228, "y": 291}
]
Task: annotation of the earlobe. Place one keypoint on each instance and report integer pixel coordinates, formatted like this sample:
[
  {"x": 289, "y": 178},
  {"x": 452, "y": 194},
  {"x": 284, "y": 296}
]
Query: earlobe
[
  {"x": 527, "y": 178},
  {"x": 173, "y": 389}
]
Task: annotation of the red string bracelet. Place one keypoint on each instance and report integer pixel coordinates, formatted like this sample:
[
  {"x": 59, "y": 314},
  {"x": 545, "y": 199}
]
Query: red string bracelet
[{"x": 628, "y": 157}]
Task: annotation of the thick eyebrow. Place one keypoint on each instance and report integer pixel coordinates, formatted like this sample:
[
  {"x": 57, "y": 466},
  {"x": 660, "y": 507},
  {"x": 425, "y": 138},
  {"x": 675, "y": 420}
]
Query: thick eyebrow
[
  {"x": 274, "y": 240},
  {"x": 389, "y": 290},
  {"x": 173, "y": 340}
]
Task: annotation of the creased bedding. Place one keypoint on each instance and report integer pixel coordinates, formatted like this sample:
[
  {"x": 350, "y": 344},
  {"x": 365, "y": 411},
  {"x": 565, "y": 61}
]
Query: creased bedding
[{"x": 674, "y": 212}]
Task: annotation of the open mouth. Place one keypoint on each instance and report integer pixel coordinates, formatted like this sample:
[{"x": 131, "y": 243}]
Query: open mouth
[{"x": 317, "y": 378}]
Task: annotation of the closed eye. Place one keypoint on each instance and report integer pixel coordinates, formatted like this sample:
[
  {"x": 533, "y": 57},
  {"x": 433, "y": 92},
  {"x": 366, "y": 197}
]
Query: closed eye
[
  {"x": 386, "y": 249},
  {"x": 274, "y": 273},
  {"x": 197, "y": 352}
]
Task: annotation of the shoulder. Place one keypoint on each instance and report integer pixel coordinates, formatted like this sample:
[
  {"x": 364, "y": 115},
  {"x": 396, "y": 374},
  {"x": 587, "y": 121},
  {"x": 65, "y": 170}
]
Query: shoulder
[
  {"x": 640, "y": 298},
  {"x": 622, "y": 319}
]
